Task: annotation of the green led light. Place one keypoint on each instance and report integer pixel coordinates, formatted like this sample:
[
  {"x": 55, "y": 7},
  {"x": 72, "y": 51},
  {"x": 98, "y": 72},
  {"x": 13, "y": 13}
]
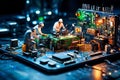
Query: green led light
[{"x": 41, "y": 18}]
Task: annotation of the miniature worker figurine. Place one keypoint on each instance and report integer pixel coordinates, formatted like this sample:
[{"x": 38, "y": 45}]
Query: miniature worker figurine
[
  {"x": 58, "y": 26},
  {"x": 40, "y": 34},
  {"x": 38, "y": 29},
  {"x": 29, "y": 39}
]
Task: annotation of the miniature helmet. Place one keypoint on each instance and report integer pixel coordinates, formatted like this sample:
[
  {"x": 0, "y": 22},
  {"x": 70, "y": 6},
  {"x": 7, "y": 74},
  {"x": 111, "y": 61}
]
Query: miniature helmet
[
  {"x": 60, "y": 20},
  {"x": 41, "y": 24}
]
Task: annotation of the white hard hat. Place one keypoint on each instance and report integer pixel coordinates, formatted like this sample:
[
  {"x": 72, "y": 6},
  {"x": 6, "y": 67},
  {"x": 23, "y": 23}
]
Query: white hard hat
[
  {"x": 41, "y": 23},
  {"x": 60, "y": 20}
]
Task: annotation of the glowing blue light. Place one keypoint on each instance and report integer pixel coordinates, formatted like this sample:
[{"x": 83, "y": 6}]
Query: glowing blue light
[
  {"x": 45, "y": 17},
  {"x": 49, "y": 13},
  {"x": 34, "y": 22},
  {"x": 28, "y": 18},
  {"x": 27, "y": 2},
  {"x": 37, "y": 12},
  {"x": 56, "y": 11},
  {"x": 3, "y": 30}
]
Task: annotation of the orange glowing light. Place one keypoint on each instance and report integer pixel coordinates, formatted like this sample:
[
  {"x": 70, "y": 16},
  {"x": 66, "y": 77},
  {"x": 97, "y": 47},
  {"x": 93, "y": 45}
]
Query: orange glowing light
[
  {"x": 77, "y": 29},
  {"x": 97, "y": 74},
  {"x": 100, "y": 21},
  {"x": 77, "y": 14}
]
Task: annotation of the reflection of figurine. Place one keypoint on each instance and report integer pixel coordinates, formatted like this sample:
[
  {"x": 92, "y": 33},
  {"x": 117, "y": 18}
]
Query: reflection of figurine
[{"x": 58, "y": 26}]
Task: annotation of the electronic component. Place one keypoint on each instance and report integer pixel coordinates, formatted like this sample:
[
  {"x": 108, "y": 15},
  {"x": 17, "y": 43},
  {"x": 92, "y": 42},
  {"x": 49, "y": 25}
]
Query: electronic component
[
  {"x": 44, "y": 61},
  {"x": 14, "y": 43},
  {"x": 61, "y": 57},
  {"x": 34, "y": 53},
  {"x": 26, "y": 54},
  {"x": 69, "y": 62},
  {"x": 71, "y": 54},
  {"x": 52, "y": 64}
]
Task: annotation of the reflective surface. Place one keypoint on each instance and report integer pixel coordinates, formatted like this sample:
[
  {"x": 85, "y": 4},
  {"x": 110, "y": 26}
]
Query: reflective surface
[{"x": 13, "y": 70}]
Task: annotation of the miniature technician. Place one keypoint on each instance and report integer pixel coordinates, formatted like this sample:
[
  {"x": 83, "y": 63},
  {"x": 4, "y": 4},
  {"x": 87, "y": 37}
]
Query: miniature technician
[
  {"x": 38, "y": 29},
  {"x": 58, "y": 26}
]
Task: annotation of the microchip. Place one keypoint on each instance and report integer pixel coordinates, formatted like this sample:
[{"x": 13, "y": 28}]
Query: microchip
[{"x": 61, "y": 57}]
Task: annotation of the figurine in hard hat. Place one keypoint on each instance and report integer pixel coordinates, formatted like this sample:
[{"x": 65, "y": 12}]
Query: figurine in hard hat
[
  {"x": 58, "y": 26},
  {"x": 38, "y": 29}
]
